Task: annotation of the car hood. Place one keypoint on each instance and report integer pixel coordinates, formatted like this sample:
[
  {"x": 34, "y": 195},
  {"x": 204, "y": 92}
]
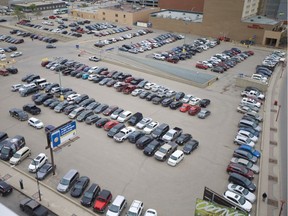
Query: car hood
[
  {"x": 86, "y": 201},
  {"x": 99, "y": 205},
  {"x": 40, "y": 175},
  {"x": 75, "y": 192}
]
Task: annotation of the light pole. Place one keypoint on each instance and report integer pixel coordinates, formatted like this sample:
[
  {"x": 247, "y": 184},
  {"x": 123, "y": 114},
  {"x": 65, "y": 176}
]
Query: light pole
[{"x": 38, "y": 185}]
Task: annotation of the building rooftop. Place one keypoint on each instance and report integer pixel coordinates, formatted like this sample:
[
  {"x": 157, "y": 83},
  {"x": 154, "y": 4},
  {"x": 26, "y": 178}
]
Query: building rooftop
[
  {"x": 179, "y": 15},
  {"x": 38, "y": 3},
  {"x": 257, "y": 19}
]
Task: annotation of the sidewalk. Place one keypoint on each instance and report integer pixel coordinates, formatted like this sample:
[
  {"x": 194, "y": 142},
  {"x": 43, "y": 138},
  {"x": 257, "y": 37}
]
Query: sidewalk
[
  {"x": 269, "y": 176},
  {"x": 58, "y": 203}
]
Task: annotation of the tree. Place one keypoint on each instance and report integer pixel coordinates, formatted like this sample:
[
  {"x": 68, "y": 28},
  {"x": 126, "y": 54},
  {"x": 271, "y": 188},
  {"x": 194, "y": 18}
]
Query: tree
[
  {"x": 32, "y": 7},
  {"x": 19, "y": 13}
]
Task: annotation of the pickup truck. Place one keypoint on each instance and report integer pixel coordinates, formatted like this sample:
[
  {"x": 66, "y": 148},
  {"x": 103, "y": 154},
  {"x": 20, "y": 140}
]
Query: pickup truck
[
  {"x": 172, "y": 134},
  {"x": 33, "y": 208},
  {"x": 165, "y": 151},
  {"x": 253, "y": 94}
]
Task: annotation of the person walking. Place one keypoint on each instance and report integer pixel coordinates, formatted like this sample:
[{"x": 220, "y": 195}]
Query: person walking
[{"x": 264, "y": 196}]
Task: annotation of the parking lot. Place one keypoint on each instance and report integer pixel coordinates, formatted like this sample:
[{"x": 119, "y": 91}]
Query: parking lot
[{"x": 121, "y": 167}]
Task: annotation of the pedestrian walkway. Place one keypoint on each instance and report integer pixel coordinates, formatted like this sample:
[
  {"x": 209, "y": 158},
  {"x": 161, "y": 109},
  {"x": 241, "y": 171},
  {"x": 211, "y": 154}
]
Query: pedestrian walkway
[{"x": 58, "y": 203}]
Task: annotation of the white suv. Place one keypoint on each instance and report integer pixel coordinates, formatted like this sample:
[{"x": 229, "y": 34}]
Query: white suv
[
  {"x": 37, "y": 162},
  {"x": 36, "y": 123},
  {"x": 136, "y": 208}
]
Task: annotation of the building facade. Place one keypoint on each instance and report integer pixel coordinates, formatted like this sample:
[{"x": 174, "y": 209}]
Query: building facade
[
  {"x": 40, "y": 6},
  {"x": 185, "y": 5}
]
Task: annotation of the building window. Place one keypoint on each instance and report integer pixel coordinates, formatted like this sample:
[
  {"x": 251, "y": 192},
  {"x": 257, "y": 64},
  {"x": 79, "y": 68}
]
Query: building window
[
  {"x": 103, "y": 13},
  {"x": 116, "y": 15},
  {"x": 116, "y": 20},
  {"x": 124, "y": 16}
]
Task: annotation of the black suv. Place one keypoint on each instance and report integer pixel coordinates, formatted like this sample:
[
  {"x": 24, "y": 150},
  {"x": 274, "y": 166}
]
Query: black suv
[
  {"x": 32, "y": 109},
  {"x": 32, "y": 78},
  {"x": 115, "y": 129},
  {"x": 90, "y": 195},
  {"x": 18, "y": 114},
  {"x": 135, "y": 118},
  {"x": 81, "y": 98},
  {"x": 12, "y": 70},
  {"x": 42, "y": 98},
  {"x": 160, "y": 131}
]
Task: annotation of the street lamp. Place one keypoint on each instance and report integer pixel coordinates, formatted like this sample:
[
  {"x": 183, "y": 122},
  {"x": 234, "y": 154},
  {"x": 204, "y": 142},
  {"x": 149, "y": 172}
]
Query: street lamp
[{"x": 38, "y": 185}]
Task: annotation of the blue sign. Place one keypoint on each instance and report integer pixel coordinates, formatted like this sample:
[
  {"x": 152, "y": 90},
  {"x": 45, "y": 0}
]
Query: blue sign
[{"x": 63, "y": 134}]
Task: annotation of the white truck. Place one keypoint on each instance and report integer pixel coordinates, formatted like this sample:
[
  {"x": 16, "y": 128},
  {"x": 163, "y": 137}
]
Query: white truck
[
  {"x": 172, "y": 134},
  {"x": 165, "y": 151}
]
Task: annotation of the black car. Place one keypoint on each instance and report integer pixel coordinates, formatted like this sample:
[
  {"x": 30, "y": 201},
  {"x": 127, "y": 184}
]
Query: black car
[
  {"x": 183, "y": 138},
  {"x": 151, "y": 148},
  {"x": 135, "y": 118},
  {"x": 90, "y": 195},
  {"x": 79, "y": 187},
  {"x": 50, "y": 86},
  {"x": 115, "y": 129},
  {"x": 35, "y": 96},
  {"x": 149, "y": 97},
  {"x": 5, "y": 188},
  {"x": 166, "y": 102},
  {"x": 27, "y": 76},
  {"x": 143, "y": 141},
  {"x": 175, "y": 105},
  {"x": 157, "y": 100},
  {"x": 32, "y": 109},
  {"x": 84, "y": 115},
  {"x": 44, "y": 171},
  {"x": 18, "y": 114},
  {"x": 81, "y": 98},
  {"x": 49, "y": 101},
  {"x": 61, "y": 106},
  {"x": 92, "y": 119},
  {"x": 32, "y": 78},
  {"x": 101, "y": 122},
  {"x": 135, "y": 135},
  {"x": 69, "y": 109},
  {"x": 204, "y": 103},
  {"x": 144, "y": 94},
  {"x": 160, "y": 130},
  {"x": 92, "y": 105},
  {"x": 54, "y": 104},
  {"x": 12, "y": 70},
  {"x": 218, "y": 69},
  {"x": 190, "y": 146},
  {"x": 179, "y": 96},
  {"x": 241, "y": 180},
  {"x": 100, "y": 108}
]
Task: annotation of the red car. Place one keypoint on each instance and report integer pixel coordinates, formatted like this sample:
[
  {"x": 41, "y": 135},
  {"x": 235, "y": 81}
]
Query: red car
[
  {"x": 194, "y": 110},
  {"x": 185, "y": 107},
  {"x": 128, "y": 89},
  {"x": 110, "y": 124},
  {"x": 102, "y": 201},
  {"x": 201, "y": 66},
  {"x": 240, "y": 169},
  {"x": 128, "y": 79},
  {"x": 52, "y": 17},
  {"x": 109, "y": 110},
  {"x": 4, "y": 72}
]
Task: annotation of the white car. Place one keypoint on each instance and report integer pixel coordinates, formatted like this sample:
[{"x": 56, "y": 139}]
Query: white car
[
  {"x": 242, "y": 140},
  {"x": 242, "y": 191},
  {"x": 143, "y": 123},
  {"x": 94, "y": 58},
  {"x": 194, "y": 101},
  {"x": 248, "y": 164},
  {"x": 175, "y": 158},
  {"x": 92, "y": 76},
  {"x": 37, "y": 162},
  {"x": 250, "y": 101},
  {"x": 123, "y": 134},
  {"x": 150, "y": 127},
  {"x": 136, "y": 92},
  {"x": 16, "y": 87},
  {"x": 150, "y": 212},
  {"x": 158, "y": 56},
  {"x": 36, "y": 123},
  {"x": 248, "y": 135},
  {"x": 15, "y": 54},
  {"x": 124, "y": 116},
  {"x": 136, "y": 208},
  {"x": 72, "y": 97},
  {"x": 238, "y": 200},
  {"x": 187, "y": 98},
  {"x": 149, "y": 85},
  {"x": 92, "y": 69}
]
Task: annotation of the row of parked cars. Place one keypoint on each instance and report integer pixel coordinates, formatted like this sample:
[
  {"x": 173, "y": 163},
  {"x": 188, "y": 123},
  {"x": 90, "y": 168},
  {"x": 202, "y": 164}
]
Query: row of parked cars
[
  {"x": 9, "y": 39},
  {"x": 186, "y": 51},
  {"x": 101, "y": 200},
  {"x": 221, "y": 62},
  {"x": 102, "y": 43},
  {"x": 128, "y": 84},
  {"x": 149, "y": 44},
  {"x": 33, "y": 36},
  {"x": 243, "y": 165}
]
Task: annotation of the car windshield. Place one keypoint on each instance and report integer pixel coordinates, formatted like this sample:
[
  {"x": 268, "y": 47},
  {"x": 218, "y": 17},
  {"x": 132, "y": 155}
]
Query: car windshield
[
  {"x": 33, "y": 162},
  {"x": 5, "y": 151},
  {"x": 173, "y": 157},
  {"x": 89, "y": 195},
  {"x": 131, "y": 213},
  {"x": 245, "y": 191},
  {"x": 64, "y": 181},
  {"x": 242, "y": 200},
  {"x": 249, "y": 164},
  {"x": 16, "y": 155},
  {"x": 37, "y": 122},
  {"x": 114, "y": 208}
]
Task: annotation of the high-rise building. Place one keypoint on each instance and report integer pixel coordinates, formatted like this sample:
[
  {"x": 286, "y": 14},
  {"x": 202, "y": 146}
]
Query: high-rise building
[{"x": 276, "y": 9}]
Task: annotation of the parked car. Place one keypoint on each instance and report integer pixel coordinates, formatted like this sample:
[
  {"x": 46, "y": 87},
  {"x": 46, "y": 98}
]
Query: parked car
[
  {"x": 251, "y": 150},
  {"x": 32, "y": 109},
  {"x": 90, "y": 195},
  {"x": 102, "y": 201},
  {"x": 144, "y": 121},
  {"x": 78, "y": 189},
  {"x": 44, "y": 171},
  {"x": 248, "y": 164},
  {"x": 150, "y": 127},
  {"x": 123, "y": 134},
  {"x": 114, "y": 130},
  {"x": 203, "y": 114},
  {"x": 117, "y": 207},
  {"x": 183, "y": 138},
  {"x": 124, "y": 116},
  {"x": 92, "y": 119},
  {"x": 5, "y": 188},
  {"x": 37, "y": 162},
  {"x": 242, "y": 191},
  {"x": 101, "y": 122},
  {"x": 241, "y": 180},
  {"x": 151, "y": 148},
  {"x": 135, "y": 118},
  {"x": 190, "y": 146},
  {"x": 36, "y": 123},
  {"x": 175, "y": 158},
  {"x": 240, "y": 169},
  {"x": 143, "y": 141},
  {"x": 135, "y": 135},
  {"x": 238, "y": 200},
  {"x": 136, "y": 208},
  {"x": 18, "y": 114}
]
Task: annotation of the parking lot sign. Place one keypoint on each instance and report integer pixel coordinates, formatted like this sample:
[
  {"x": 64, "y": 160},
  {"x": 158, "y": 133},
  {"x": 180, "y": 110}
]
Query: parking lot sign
[{"x": 63, "y": 134}]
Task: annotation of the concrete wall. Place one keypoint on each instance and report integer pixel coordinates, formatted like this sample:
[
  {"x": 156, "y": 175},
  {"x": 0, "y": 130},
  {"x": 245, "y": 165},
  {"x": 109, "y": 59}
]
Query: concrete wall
[
  {"x": 189, "y": 5},
  {"x": 247, "y": 81}
]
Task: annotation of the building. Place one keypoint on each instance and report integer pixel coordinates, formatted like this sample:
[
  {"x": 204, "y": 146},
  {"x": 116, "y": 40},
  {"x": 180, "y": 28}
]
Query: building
[
  {"x": 183, "y": 5},
  {"x": 125, "y": 14},
  {"x": 274, "y": 9},
  {"x": 237, "y": 20},
  {"x": 149, "y": 3},
  {"x": 40, "y": 6}
]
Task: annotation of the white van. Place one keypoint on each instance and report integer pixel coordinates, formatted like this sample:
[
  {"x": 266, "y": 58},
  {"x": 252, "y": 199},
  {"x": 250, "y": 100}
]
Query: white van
[
  {"x": 175, "y": 158},
  {"x": 39, "y": 81},
  {"x": 16, "y": 87},
  {"x": 26, "y": 86},
  {"x": 20, "y": 155},
  {"x": 117, "y": 206}
]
